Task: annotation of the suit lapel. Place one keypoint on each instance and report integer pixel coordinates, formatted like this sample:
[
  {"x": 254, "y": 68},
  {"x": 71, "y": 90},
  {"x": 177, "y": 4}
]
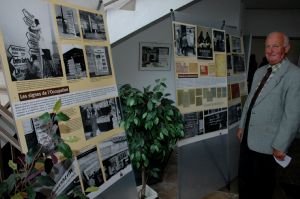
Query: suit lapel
[{"x": 271, "y": 84}]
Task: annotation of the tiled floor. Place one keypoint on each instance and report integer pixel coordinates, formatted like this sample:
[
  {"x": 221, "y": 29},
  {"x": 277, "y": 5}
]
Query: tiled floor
[{"x": 288, "y": 186}]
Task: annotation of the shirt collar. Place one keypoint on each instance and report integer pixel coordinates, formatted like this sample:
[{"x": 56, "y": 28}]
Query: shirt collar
[{"x": 277, "y": 66}]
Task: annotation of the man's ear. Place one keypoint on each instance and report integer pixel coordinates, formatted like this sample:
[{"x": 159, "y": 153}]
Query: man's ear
[{"x": 287, "y": 48}]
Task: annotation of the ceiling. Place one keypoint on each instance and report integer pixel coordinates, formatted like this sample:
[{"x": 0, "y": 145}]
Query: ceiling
[{"x": 272, "y": 4}]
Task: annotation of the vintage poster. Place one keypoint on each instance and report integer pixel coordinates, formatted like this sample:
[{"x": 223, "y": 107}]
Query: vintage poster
[
  {"x": 185, "y": 40},
  {"x": 238, "y": 62},
  {"x": 67, "y": 22},
  {"x": 219, "y": 40},
  {"x": 54, "y": 51},
  {"x": 66, "y": 177},
  {"x": 155, "y": 56},
  {"x": 186, "y": 69},
  {"x": 234, "y": 113},
  {"x": 193, "y": 124},
  {"x": 201, "y": 80},
  {"x": 90, "y": 170},
  {"x": 221, "y": 65},
  {"x": 236, "y": 45},
  {"x": 204, "y": 43},
  {"x": 215, "y": 119}
]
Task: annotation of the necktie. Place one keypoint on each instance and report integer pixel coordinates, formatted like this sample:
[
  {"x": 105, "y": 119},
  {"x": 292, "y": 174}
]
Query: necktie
[{"x": 256, "y": 94}]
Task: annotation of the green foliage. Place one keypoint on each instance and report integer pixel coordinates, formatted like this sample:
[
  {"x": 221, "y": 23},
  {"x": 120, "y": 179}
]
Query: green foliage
[
  {"x": 26, "y": 177},
  {"x": 152, "y": 123}
]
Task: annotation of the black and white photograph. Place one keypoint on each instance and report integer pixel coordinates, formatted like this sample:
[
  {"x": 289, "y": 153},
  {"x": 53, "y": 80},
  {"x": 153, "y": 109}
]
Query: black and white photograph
[
  {"x": 98, "y": 61},
  {"x": 193, "y": 124},
  {"x": 185, "y": 40},
  {"x": 90, "y": 170},
  {"x": 204, "y": 43},
  {"x": 115, "y": 155},
  {"x": 99, "y": 117},
  {"x": 31, "y": 49},
  {"x": 219, "y": 40},
  {"x": 66, "y": 178},
  {"x": 74, "y": 61},
  {"x": 155, "y": 56},
  {"x": 229, "y": 65},
  {"x": 67, "y": 22},
  {"x": 234, "y": 113},
  {"x": 236, "y": 44},
  {"x": 228, "y": 47},
  {"x": 238, "y": 62},
  {"x": 215, "y": 119},
  {"x": 37, "y": 130},
  {"x": 92, "y": 26}
]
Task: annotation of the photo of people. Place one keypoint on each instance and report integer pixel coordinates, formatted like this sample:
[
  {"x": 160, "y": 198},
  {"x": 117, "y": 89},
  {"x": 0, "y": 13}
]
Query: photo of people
[
  {"x": 92, "y": 25},
  {"x": 74, "y": 61},
  {"x": 90, "y": 170},
  {"x": 238, "y": 62},
  {"x": 30, "y": 44},
  {"x": 204, "y": 43},
  {"x": 185, "y": 39},
  {"x": 98, "y": 61},
  {"x": 67, "y": 23},
  {"x": 99, "y": 117},
  {"x": 219, "y": 40},
  {"x": 236, "y": 45}
]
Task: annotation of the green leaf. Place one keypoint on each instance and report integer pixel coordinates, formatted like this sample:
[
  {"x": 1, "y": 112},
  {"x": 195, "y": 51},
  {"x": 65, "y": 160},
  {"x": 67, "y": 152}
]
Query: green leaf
[
  {"x": 149, "y": 105},
  {"x": 46, "y": 117},
  {"x": 72, "y": 139},
  {"x": 62, "y": 197},
  {"x": 12, "y": 165},
  {"x": 17, "y": 196},
  {"x": 138, "y": 156},
  {"x": 45, "y": 180},
  {"x": 61, "y": 117},
  {"x": 57, "y": 106},
  {"x": 92, "y": 189},
  {"x": 31, "y": 193},
  {"x": 156, "y": 120},
  {"x": 131, "y": 101},
  {"x": 65, "y": 150},
  {"x": 136, "y": 121},
  {"x": 144, "y": 115},
  {"x": 4, "y": 188},
  {"x": 161, "y": 135},
  {"x": 144, "y": 157}
]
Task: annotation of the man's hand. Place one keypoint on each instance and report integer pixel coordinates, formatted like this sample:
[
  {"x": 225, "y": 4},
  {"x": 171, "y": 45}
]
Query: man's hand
[
  {"x": 239, "y": 134},
  {"x": 278, "y": 154}
]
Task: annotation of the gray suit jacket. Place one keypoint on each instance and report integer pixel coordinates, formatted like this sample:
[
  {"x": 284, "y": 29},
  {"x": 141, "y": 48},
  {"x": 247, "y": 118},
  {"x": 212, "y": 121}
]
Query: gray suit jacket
[{"x": 275, "y": 117}]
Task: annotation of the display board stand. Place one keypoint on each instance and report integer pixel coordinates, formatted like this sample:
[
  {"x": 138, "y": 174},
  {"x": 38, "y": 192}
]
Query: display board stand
[
  {"x": 7, "y": 117},
  {"x": 207, "y": 159}
]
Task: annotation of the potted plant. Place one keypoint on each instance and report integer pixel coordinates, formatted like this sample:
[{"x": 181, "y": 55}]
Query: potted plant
[
  {"x": 30, "y": 171},
  {"x": 152, "y": 124}
]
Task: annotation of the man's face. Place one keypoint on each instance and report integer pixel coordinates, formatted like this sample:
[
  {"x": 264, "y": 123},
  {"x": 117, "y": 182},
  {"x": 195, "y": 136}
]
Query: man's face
[{"x": 275, "y": 50}]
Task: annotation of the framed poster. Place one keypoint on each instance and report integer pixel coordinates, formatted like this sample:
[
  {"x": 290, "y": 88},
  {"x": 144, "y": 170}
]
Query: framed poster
[{"x": 155, "y": 56}]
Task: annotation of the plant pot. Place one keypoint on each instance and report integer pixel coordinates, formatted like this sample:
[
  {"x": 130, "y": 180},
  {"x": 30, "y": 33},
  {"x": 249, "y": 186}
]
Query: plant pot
[{"x": 150, "y": 193}]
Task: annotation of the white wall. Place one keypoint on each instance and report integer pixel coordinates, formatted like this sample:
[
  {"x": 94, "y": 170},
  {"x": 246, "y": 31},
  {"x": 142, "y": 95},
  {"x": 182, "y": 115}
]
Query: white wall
[
  {"x": 261, "y": 22},
  {"x": 126, "y": 53},
  {"x": 123, "y": 22}
]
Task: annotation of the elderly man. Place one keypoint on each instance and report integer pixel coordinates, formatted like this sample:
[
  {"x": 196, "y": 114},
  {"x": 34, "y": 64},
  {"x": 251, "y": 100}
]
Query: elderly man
[{"x": 270, "y": 120}]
